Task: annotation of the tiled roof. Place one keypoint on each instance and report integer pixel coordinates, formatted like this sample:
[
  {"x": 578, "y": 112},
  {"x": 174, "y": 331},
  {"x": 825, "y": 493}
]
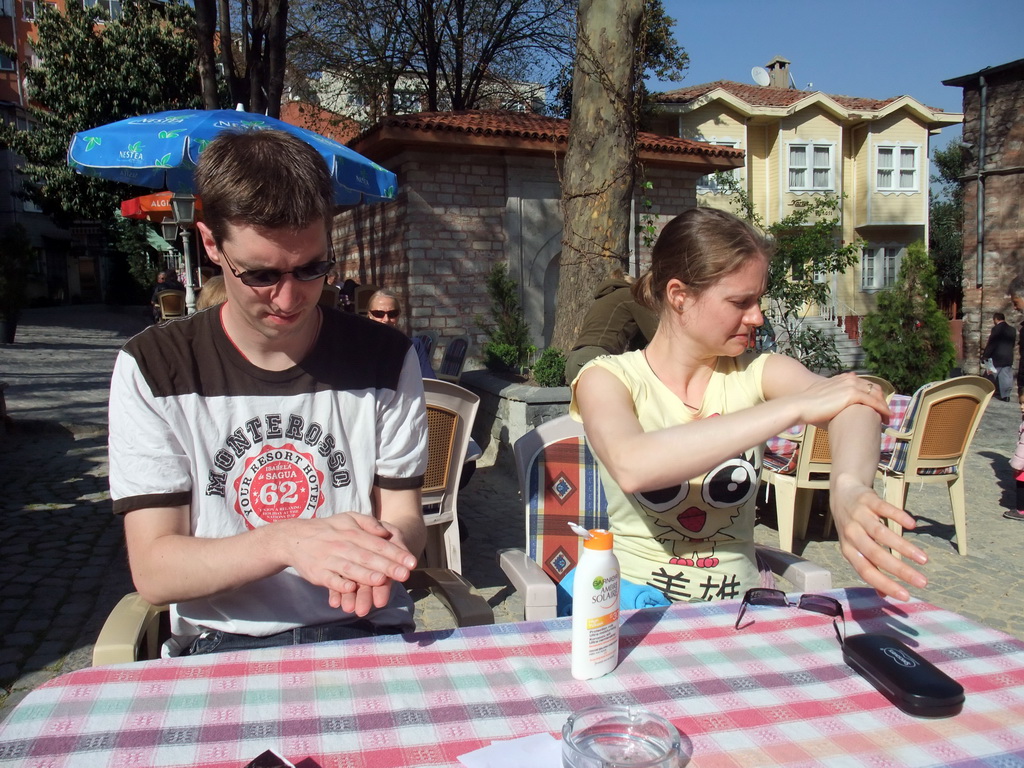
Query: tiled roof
[
  {"x": 525, "y": 131},
  {"x": 319, "y": 120},
  {"x": 765, "y": 96}
]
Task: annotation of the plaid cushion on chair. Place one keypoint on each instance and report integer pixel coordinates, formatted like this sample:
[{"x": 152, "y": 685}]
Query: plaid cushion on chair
[
  {"x": 895, "y": 460},
  {"x": 563, "y": 486}
]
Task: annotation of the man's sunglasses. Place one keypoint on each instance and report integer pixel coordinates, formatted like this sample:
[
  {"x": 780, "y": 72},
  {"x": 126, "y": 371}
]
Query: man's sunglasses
[
  {"x": 827, "y": 606},
  {"x": 380, "y": 314},
  {"x": 264, "y": 278}
]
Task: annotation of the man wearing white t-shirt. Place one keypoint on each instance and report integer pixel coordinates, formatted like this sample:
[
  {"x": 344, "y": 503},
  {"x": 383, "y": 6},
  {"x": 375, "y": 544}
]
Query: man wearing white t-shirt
[{"x": 267, "y": 454}]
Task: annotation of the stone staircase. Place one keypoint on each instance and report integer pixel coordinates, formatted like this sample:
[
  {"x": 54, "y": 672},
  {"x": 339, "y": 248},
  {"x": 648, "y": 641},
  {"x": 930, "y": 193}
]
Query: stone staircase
[{"x": 850, "y": 352}]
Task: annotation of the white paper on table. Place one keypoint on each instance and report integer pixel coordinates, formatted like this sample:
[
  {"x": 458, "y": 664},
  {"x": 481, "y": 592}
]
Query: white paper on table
[{"x": 542, "y": 750}]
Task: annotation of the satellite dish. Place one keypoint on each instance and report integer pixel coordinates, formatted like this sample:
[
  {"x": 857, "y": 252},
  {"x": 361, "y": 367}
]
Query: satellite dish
[{"x": 760, "y": 75}]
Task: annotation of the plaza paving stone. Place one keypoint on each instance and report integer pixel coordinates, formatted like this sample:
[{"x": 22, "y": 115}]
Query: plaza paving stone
[{"x": 62, "y": 558}]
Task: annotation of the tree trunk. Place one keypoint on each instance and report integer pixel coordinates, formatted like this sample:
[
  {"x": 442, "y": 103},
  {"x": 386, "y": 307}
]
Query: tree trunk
[
  {"x": 277, "y": 35},
  {"x": 597, "y": 184},
  {"x": 206, "y": 27},
  {"x": 227, "y": 58}
]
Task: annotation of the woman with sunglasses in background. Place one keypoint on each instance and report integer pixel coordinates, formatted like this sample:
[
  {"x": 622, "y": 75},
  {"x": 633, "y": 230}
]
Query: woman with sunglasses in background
[
  {"x": 679, "y": 427},
  {"x": 385, "y": 307}
]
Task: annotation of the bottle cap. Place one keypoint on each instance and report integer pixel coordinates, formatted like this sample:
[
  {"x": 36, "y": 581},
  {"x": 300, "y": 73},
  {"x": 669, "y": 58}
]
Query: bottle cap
[{"x": 600, "y": 539}]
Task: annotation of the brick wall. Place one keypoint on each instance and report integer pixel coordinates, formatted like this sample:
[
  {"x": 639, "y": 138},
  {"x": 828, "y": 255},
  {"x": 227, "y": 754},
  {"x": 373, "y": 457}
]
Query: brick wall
[
  {"x": 436, "y": 243},
  {"x": 1004, "y": 217}
]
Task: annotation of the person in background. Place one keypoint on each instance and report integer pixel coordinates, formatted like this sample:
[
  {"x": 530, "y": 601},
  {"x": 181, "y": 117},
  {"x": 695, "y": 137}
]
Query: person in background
[
  {"x": 268, "y": 457},
  {"x": 166, "y": 280},
  {"x": 1016, "y": 292},
  {"x": 678, "y": 428},
  {"x": 1017, "y": 462},
  {"x": 385, "y": 307},
  {"x": 999, "y": 348},
  {"x": 212, "y": 294},
  {"x": 614, "y": 324}
]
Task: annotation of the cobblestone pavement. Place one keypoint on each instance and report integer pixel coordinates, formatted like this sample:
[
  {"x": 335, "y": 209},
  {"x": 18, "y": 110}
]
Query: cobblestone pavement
[{"x": 62, "y": 560}]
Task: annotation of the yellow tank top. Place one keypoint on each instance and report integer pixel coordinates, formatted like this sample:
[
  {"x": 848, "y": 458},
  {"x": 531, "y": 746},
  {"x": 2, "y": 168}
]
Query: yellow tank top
[{"x": 693, "y": 541}]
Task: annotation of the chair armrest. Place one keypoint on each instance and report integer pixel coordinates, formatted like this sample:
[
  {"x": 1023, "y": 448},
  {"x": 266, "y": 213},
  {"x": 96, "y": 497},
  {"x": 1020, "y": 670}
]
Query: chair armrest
[
  {"x": 468, "y": 608},
  {"x": 804, "y": 575},
  {"x": 132, "y": 621},
  {"x": 530, "y": 580}
]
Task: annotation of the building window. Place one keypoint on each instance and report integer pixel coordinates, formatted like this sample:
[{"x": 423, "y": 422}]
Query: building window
[
  {"x": 879, "y": 267},
  {"x": 896, "y": 169},
  {"x": 28, "y": 10},
  {"x": 6, "y": 63},
  {"x": 405, "y": 102},
  {"x": 810, "y": 167},
  {"x": 712, "y": 183},
  {"x": 113, "y": 7}
]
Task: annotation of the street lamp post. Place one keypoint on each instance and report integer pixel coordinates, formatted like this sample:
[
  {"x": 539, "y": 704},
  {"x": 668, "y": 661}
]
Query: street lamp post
[{"x": 184, "y": 207}]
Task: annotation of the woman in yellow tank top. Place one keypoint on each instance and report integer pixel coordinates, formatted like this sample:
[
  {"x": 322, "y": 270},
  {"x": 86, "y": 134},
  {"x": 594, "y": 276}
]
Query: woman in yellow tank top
[{"x": 678, "y": 427}]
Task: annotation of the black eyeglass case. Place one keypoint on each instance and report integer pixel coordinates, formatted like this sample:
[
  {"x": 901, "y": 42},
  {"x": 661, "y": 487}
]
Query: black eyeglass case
[{"x": 903, "y": 676}]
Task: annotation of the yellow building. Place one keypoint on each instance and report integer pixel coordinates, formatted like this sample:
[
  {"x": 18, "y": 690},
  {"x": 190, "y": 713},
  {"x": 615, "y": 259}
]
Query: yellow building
[{"x": 798, "y": 144}]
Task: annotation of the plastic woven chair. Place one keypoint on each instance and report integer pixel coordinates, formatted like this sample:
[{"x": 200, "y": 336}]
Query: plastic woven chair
[
  {"x": 171, "y": 304},
  {"x": 454, "y": 359},
  {"x": 932, "y": 444},
  {"x": 451, "y": 411}
]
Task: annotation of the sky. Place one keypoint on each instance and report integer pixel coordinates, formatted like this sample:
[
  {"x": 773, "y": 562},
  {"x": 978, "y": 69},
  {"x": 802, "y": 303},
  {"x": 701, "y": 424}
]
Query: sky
[{"x": 868, "y": 48}]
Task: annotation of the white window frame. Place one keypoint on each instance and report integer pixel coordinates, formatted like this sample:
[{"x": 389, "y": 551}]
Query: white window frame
[
  {"x": 810, "y": 150},
  {"x": 7, "y": 64},
  {"x": 880, "y": 266},
  {"x": 113, "y": 7},
  {"x": 897, "y": 172},
  {"x": 708, "y": 184},
  {"x": 28, "y": 10}
]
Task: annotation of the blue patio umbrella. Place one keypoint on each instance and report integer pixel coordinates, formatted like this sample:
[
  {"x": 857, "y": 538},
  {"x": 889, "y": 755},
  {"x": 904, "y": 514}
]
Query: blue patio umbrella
[{"x": 161, "y": 151}]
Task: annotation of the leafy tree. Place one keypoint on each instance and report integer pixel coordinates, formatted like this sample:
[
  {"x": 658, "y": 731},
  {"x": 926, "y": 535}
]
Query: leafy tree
[
  {"x": 508, "y": 346},
  {"x": 464, "y": 53},
  {"x": 92, "y": 74},
  {"x": 663, "y": 58},
  {"x": 946, "y": 222},
  {"x": 805, "y": 246},
  {"x": 907, "y": 340},
  {"x": 600, "y": 161},
  {"x": 253, "y": 65}
]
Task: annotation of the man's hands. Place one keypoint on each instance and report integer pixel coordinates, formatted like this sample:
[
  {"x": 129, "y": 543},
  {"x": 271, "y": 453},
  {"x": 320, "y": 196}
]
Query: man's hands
[
  {"x": 865, "y": 539},
  {"x": 355, "y": 556}
]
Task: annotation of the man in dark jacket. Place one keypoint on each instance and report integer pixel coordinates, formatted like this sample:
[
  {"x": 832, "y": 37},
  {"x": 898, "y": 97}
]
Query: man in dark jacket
[
  {"x": 1000, "y": 349},
  {"x": 614, "y": 324}
]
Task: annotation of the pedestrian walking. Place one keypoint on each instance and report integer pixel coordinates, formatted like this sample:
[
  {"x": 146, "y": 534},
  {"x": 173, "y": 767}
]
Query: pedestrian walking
[
  {"x": 999, "y": 349},
  {"x": 1017, "y": 462}
]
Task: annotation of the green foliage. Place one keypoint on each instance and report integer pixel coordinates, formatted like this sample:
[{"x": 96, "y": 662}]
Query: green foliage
[
  {"x": 96, "y": 74},
  {"x": 946, "y": 221},
  {"x": 647, "y": 226},
  {"x": 907, "y": 340},
  {"x": 508, "y": 346},
  {"x": 17, "y": 258},
  {"x": 805, "y": 246},
  {"x": 136, "y": 262},
  {"x": 549, "y": 370}
]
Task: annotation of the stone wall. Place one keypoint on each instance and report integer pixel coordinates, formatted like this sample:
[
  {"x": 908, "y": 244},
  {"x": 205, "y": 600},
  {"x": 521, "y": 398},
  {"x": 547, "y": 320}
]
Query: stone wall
[
  {"x": 456, "y": 216},
  {"x": 1003, "y": 243}
]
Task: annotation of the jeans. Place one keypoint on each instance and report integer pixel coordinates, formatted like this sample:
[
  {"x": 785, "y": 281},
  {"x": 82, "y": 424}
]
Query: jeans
[
  {"x": 1004, "y": 382},
  {"x": 218, "y": 641}
]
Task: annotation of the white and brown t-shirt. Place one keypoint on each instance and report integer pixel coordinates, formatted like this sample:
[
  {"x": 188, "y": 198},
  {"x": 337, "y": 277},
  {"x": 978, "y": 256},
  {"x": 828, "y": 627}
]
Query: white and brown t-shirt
[{"x": 193, "y": 422}]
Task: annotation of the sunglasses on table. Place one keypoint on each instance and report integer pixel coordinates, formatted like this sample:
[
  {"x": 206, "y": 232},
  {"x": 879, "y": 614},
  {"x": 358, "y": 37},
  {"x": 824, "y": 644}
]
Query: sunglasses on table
[
  {"x": 264, "y": 278},
  {"x": 827, "y": 606},
  {"x": 380, "y": 314}
]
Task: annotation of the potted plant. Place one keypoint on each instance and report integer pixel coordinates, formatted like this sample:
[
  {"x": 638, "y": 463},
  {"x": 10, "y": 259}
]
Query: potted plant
[{"x": 17, "y": 257}]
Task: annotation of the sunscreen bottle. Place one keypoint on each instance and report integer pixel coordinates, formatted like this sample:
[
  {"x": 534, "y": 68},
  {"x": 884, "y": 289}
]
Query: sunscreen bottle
[{"x": 595, "y": 608}]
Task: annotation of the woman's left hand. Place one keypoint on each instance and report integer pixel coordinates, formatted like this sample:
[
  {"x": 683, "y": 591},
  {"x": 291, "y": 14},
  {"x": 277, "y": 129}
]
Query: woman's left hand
[{"x": 865, "y": 540}]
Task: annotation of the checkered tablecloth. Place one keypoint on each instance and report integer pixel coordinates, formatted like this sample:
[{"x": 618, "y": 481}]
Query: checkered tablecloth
[
  {"x": 774, "y": 693},
  {"x": 898, "y": 404}
]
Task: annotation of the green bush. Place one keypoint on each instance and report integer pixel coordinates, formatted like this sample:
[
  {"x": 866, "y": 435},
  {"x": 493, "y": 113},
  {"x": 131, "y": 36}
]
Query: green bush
[
  {"x": 508, "y": 347},
  {"x": 549, "y": 370},
  {"x": 907, "y": 340}
]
